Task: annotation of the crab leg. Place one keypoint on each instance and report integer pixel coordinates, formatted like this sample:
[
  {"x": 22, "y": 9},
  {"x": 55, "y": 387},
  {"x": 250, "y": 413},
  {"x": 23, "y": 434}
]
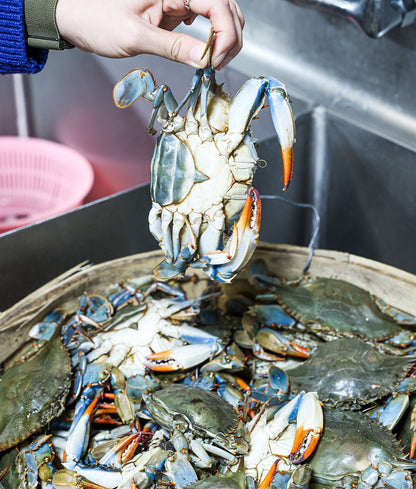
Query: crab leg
[
  {"x": 193, "y": 92},
  {"x": 413, "y": 432},
  {"x": 137, "y": 83},
  {"x": 85, "y": 477},
  {"x": 79, "y": 432},
  {"x": 67, "y": 478},
  {"x": 246, "y": 105},
  {"x": 123, "y": 451},
  {"x": 266, "y": 482}
]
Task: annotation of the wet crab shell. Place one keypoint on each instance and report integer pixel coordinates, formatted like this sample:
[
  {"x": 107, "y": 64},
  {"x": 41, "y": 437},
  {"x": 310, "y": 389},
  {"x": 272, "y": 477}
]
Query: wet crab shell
[
  {"x": 337, "y": 308},
  {"x": 349, "y": 372},
  {"x": 351, "y": 442},
  {"x": 204, "y": 411},
  {"x": 33, "y": 392}
]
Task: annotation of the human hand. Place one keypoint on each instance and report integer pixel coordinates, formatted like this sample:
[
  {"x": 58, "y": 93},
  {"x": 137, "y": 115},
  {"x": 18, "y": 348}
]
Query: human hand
[{"x": 131, "y": 27}]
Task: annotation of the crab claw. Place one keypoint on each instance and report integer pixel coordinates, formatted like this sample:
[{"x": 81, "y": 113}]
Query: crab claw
[
  {"x": 266, "y": 482},
  {"x": 282, "y": 117},
  {"x": 137, "y": 83},
  {"x": 203, "y": 346},
  {"x": 78, "y": 436},
  {"x": 183, "y": 357},
  {"x": 278, "y": 343},
  {"x": 224, "y": 265},
  {"x": 309, "y": 425},
  {"x": 246, "y": 105},
  {"x": 413, "y": 433}
]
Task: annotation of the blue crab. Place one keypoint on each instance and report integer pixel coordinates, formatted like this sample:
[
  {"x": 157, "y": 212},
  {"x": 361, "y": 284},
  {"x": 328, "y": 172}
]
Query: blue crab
[
  {"x": 332, "y": 308},
  {"x": 198, "y": 414},
  {"x": 283, "y": 437},
  {"x": 350, "y": 372},
  {"x": 33, "y": 392},
  {"x": 205, "y": 213},
  {"x": 355, "y": 449}
]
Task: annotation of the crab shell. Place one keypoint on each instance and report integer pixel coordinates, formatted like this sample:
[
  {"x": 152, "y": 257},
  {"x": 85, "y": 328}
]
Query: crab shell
[
  {"x": 33, "y": 392},
  {"x": 351, "y": 442},
  {"x": 205, "y": 413},
  {"x": 335, "y": 308},
  {"x": 350, "y": 372}
]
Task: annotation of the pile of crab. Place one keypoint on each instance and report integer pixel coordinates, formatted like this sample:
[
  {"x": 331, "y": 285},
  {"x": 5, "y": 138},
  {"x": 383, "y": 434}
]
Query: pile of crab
[{"x": 282, "y": 385}]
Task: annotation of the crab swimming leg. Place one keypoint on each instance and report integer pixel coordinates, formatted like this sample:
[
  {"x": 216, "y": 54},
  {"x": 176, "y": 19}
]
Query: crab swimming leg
[{"x": 140, "y": 83}]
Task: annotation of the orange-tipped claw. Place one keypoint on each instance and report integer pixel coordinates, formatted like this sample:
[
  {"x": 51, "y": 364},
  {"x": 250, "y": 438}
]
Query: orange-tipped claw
[
  {"x": 300, "y": 437},
  {"x": 224, "y": 265},
  {"x": 265, "y": 483},
  {"x": 182, "y": 357},
  {"x": 298, "y": 351},
  {"x": 287, "y": 157},
  {"x": 162, "y": 361},
  {"x": 309, "y": 428},
  {"x": 3, "y": 472},
  {"x": 412, "y": 446},
  {"x": 413, "y": 431},
  {"x": 284, "y": 124}
]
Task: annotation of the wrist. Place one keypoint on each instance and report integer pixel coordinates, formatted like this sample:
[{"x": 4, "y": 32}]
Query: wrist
[{"x": 41, "y": 27}]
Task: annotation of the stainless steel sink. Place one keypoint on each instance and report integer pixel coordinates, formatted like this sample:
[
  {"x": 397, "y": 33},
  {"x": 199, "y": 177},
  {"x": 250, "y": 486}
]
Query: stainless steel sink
[{"x": 360, "y": 184}]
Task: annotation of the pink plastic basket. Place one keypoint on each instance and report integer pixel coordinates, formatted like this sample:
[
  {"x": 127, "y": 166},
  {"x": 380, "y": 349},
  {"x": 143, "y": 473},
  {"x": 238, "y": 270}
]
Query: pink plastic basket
[{"x": 39, "y": 179}]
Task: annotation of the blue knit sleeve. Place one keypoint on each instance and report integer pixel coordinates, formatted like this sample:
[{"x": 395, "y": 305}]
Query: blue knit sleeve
[{"x": 15, "y": 55}]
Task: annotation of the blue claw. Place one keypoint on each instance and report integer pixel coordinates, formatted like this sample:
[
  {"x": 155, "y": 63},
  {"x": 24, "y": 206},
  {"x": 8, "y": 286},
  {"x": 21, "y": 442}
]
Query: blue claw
[
  {"x": 78, "y": 436},
  {"x": 246, "y": 105}
]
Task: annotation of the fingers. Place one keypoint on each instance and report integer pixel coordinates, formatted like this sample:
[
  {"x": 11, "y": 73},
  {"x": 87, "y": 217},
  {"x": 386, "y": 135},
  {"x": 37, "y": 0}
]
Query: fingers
[
  {"x": 226, "y": 19},
  {"x": 236, "y": 46},
  {"x": 172, "y": 45}
]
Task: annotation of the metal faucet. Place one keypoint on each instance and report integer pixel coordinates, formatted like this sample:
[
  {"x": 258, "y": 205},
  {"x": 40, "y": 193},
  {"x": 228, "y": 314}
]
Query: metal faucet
[{"x": 375, "y": 17}]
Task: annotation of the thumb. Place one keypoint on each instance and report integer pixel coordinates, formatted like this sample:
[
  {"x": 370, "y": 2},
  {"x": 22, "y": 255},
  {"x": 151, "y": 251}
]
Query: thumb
[{"x": 174, "y": 46}]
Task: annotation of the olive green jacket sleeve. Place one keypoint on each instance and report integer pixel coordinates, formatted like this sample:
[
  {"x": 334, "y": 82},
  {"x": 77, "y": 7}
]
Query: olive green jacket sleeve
[{"x": 42, "y": 31}]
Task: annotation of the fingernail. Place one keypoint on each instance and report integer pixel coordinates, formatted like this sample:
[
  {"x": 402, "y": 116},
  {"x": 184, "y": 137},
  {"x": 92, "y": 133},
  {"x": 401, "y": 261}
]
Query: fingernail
[
  {"x": 218, "y": 60},
  {"x": 195, "y": 56}
]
